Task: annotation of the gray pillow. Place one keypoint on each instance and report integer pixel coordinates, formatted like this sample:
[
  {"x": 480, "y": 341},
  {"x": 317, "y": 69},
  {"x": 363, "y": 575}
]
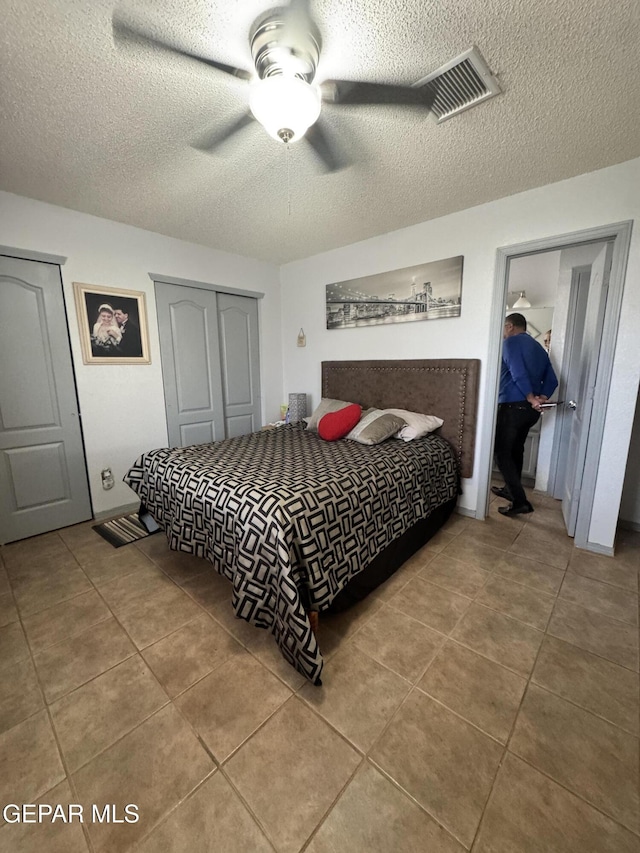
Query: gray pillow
[
  {"x": 326, "y": 405},
  {"x": 375, "y": 426}
]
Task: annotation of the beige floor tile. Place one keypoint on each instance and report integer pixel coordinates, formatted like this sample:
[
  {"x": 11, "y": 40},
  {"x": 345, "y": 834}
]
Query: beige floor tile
[
  {"x": 13, "y": 645},
  {"x": 209, "y": 589},
  {"x": 601, "y": 635},
  {"x": 95, "y": 549},
  {"x": 484, "y": 693},
  {"x": 8, "y": 612},
  {"x": 529, "y": 813},
  {"x": 358, "y": 696},
  {"x": 457, "y": 523},
  {"x": 493, "y": 531},
  {"x": 20, "y": 694},
  {"x": 95, "y": 715},
  {"x": 231, "y": 702},
  {"x": 124, "y": 592},
  {"x": 467, "y": 549},
  {"x": 530, "y": 573},
  {"x": 39, "y": 549},
  {"x": 154, "y": 767},
  {"x": 602, "y": 687},
  {"x": 152, "y": 617},
  {"x": 432, "y": 605},
  {"x": 373, "y": 816},
  {"x": 30, "y": 760},
  {"x": 346, "y": 623},
  {"x": 444, "y": 763},
  {"x": 627, "y": 551},
  {"x": 107, "y": 566},
  {"x": 212, "y": 819},
  {"x": 601, "y": 597},
  {"x": 74, "y": 661},
  {"x": 4, "y": 581},
  {"x": 527, "y": 605},
  {"x": 35, "y": 594},
  {"x": 263, "y": 646},
  {"x": 500, "y": 638},
  {"x": 191, "y": 652},
  {"x": 595, "y": 760},
  {"x": 606, "y": 569},
  {"x": 184, "y": 567},
  {"x": 437, "y": 543},
  {"x": 455, "y": 575},
  {"x": 553, "y": 547},
  {"x": 64, "y": 620},
  {"x": 153, "y": 546},
  {"x": 290, "y": 773},
  {"x": 397, "y": 581},
  {"x": 399, "y": 642},
  {"x": 544, "y": 519},
  {"x": 243, "y": 631},
  {"x": 49, "y": 836},
  {"x": 79, "y": 534}
]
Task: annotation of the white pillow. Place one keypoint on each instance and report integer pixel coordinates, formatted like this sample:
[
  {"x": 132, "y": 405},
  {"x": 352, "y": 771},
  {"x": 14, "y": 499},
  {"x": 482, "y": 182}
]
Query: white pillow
[{"x": 416, "y": 425}]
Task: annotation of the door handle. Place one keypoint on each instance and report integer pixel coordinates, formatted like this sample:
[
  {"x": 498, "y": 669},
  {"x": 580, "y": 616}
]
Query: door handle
[{"x": 572, "y": 404}]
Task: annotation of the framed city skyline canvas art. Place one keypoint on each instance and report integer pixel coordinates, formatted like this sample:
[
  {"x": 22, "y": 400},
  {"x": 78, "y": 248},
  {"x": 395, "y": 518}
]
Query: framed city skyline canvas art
[{"x": 430, "y": 291}]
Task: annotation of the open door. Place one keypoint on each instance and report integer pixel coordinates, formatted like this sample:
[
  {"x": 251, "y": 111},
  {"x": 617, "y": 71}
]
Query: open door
[{"x": 589, "y": 295}]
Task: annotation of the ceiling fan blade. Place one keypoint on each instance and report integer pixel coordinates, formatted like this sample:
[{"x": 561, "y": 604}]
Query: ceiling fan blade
[
  {"x": 350, "y": 92},
  {"x": 124, "y": 28},
  {"x": 215, "y": 138},
  {"x": 324, "y": 150}
]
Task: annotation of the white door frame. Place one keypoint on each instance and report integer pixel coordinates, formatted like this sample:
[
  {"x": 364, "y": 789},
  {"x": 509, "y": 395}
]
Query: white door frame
[{"x": 620, "y": 233}]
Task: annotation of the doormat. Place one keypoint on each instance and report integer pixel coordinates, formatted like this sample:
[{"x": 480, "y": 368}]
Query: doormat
[{"x": 123, "y": 530}]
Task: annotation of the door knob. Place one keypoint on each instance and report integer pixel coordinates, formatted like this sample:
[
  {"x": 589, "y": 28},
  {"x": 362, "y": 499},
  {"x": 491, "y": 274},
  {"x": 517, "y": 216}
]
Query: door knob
[{"x": 572, "y": 404}]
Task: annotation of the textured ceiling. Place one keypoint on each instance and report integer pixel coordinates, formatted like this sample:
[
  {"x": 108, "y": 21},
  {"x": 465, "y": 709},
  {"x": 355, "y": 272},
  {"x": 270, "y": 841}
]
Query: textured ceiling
[{"x": 109, "y": 129}]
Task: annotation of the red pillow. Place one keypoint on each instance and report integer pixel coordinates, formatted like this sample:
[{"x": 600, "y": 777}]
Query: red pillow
[{"x": 335, "y": 425}]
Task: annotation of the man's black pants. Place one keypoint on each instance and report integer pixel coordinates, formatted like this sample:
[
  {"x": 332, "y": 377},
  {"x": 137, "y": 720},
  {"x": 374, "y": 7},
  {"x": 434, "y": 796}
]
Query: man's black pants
[{"x": 513, "y": 424}]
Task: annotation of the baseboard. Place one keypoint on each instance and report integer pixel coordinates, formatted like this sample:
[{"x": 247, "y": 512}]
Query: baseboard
[
  {"x": 117, "y": 510},
  {"x": 596, "y": 548},
  {"x": 464, "y": 510}
]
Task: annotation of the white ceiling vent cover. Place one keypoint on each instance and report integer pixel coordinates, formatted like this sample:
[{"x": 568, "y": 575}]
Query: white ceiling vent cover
[{"x": 460, "y": 84}]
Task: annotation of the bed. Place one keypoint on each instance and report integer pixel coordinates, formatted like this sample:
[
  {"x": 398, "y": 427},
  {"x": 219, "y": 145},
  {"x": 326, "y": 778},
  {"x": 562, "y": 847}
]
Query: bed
[{"x": 299, "y": 525}]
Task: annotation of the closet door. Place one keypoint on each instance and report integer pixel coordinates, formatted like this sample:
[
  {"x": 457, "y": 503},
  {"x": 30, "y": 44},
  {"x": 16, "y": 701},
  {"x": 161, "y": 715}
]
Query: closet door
[
  {"x": 210, "y": 363},
  {"x": 240, "y": 362},
  {"x": 190, "y": 352}
]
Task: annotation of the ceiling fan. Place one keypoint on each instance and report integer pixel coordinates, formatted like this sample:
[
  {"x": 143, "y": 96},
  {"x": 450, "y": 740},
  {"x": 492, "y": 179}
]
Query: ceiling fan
[{"x": 283, "y": 94}]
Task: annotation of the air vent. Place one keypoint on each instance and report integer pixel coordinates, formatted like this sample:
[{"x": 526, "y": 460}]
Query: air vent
[{"x": 460, "y": 84}]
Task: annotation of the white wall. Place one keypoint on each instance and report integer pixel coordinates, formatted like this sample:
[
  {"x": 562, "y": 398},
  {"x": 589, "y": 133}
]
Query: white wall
[
  {"x": 606, "y": 196},
  {"x": 122, "y": 406}
]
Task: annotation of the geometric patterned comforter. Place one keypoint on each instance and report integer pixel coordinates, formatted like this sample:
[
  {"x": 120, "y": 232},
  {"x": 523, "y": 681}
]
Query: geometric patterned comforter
[{"x": 289, "y": 518}]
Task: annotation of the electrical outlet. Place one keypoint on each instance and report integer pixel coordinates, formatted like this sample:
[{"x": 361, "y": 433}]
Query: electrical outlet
[{"x": 107, "y": 478}]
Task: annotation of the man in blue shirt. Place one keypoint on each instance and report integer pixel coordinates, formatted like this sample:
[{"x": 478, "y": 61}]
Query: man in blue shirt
[{"x": 527, "y": 379}]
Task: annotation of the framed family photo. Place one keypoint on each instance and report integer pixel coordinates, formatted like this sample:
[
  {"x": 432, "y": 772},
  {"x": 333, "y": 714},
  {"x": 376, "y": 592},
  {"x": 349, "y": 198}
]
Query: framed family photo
[{"x": 113, "y": 325}]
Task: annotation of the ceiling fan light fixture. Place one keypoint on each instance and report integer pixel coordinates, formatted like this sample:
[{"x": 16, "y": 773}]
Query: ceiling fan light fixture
[
  {"x": 522, "y": 301},
  {"x": 285, "y": 106}
]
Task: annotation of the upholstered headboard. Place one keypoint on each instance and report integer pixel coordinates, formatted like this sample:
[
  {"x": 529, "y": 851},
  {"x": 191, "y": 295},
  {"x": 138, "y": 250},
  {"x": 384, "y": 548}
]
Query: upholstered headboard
[{"x": 445, "y": 387}]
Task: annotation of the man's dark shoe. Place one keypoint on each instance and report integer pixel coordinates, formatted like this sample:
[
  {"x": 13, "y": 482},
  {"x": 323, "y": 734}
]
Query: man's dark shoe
[
  {"x": 501, "y": 493},
  {"x": 512, "y": 511}
]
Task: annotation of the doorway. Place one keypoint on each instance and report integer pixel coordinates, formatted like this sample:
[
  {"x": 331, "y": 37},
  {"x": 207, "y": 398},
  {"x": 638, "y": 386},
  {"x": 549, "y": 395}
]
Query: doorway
[{"x": 619, "y": 236}]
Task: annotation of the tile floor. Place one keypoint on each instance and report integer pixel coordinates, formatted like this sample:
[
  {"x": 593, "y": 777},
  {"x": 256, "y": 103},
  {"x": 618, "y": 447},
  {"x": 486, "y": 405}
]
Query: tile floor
[{"x": 485, "y": 698}]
